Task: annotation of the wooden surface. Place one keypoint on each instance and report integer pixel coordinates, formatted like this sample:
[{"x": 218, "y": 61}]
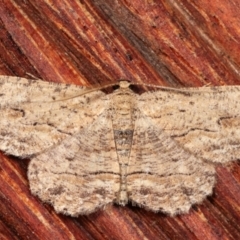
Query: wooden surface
[{"x": 94, "y": 42}]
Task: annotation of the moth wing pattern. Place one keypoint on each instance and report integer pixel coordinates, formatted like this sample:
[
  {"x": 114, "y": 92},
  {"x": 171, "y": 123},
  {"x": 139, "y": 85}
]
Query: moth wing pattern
[
  {"x": 162, "y": 175},
  {"x": 89, "y": 149},
  {"x": 81, "y": 174},
  {"x": 205, "y": 121},
  {"x": 36, "y": 115}
]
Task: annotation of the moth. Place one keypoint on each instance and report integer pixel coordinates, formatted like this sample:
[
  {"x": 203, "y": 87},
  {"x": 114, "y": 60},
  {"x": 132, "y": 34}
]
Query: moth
[{"x": 89, "y": 149}]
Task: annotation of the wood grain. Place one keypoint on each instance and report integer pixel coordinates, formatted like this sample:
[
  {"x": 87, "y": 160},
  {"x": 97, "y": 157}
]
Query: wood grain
[{"x": 171, "y": 43}]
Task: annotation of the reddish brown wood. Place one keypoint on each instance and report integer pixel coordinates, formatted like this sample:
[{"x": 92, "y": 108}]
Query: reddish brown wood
[{"x": 166, "y": 42}]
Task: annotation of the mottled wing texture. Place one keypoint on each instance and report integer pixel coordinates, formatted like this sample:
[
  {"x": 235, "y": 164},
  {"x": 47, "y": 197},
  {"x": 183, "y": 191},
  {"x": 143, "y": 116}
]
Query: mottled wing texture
[
  {"x": 162, "y": 175},
  {"x": 161, "y": 157},
  {"x": 37, "y": 115},
  {"x": 81, "y": 174},
  {"x": 204, "y": 121}
]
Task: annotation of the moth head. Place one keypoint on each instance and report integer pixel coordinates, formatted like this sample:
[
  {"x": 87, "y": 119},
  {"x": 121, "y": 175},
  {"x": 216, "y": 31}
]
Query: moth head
[{"x": 124, "y": 84}]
